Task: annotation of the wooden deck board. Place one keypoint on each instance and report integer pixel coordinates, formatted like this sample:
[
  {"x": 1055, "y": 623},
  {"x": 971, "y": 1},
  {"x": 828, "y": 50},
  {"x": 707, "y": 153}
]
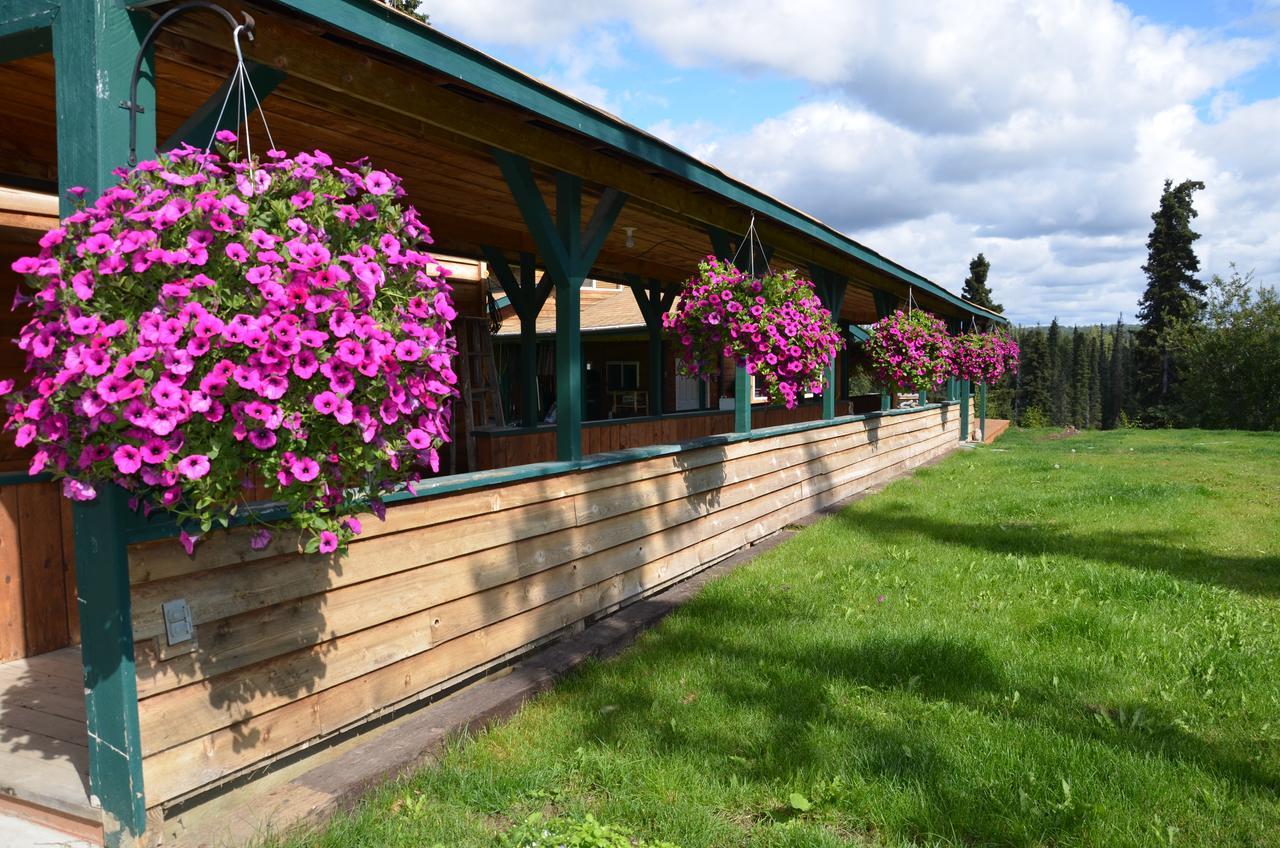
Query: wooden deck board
[{"x": 44, "y": 761}]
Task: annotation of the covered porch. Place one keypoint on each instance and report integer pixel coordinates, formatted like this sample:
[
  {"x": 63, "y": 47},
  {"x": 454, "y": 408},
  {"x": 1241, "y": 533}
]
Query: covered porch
[{"x": 553, "y": 523}]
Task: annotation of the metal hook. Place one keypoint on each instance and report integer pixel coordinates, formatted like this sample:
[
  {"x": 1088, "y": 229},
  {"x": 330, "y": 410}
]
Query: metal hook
[{"x": 131, "y": 105}]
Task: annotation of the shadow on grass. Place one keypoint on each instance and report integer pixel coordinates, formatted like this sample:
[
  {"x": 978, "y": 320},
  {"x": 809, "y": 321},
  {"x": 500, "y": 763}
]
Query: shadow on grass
[
  {"x": 802, "y": 704},
  {"x": 1146, "y": 550}
]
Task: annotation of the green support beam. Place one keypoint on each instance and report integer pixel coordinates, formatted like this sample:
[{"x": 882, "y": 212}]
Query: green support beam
[
  {"x": 982, "y": 411},
  {"x": 653, "y": 303},
  {"x": 198, "y": 130},
  {"x": 720, "y": 246},
  {"x": 94, "y": 45},
  {"x": 527, "y": 295},
  {"x": 569, "y": 250},
  {"x": 831, "y": 288},
  {"x": 965, "y": 407}
]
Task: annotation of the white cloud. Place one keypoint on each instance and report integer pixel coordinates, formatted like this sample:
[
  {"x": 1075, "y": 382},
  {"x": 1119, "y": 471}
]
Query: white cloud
[{"x": 1038, "y": 132}]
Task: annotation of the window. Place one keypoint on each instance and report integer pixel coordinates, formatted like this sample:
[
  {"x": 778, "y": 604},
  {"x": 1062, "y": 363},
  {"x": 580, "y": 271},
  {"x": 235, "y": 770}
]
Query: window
[{"x": 622, "y": 376}]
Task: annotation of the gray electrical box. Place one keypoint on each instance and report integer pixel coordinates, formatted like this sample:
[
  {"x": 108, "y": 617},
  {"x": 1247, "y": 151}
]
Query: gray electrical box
[{"x": 177, "y": 621}]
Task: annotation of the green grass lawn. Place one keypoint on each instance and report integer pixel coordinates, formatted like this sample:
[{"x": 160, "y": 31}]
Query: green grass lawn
[{"x": 1059, "y": 641}]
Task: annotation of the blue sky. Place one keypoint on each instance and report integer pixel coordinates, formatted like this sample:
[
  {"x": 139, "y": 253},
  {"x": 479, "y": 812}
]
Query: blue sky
[{"x": 1036, "y": 132}]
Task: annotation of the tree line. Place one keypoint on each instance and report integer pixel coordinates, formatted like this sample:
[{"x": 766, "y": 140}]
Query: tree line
[{"x": 1200, "y": 355}]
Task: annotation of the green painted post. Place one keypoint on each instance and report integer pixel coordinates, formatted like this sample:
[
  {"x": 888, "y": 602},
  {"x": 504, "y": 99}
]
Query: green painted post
[
  {"x": 886, "y": 305},
  {"x": 831, "y": 288},
  {"x": 569, "y": 250},
  {"x": 569, "y": 387},
  {"x": 741, "y": 379},
  {"x": 94, "y": 44},
  {"x": 741, "y": 400},
  {"x": 965, "y": 407},
  {"x": 982, "y": 411}
]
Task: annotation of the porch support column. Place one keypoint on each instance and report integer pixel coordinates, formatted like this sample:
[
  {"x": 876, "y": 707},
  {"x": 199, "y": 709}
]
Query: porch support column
[
  {"x": 982, "y": 411},
  {"x": 527, "y": 296},
  {"x": 965, "y": 408},
  {"x": 569, "y": 251},
  {"x": 653, "y": 303},
  {"x": 94, "y": 45},
  {"x": 831, "y": 288},
  {"x": 721, "y": 246},
  {"x": 886, "y": 305}
]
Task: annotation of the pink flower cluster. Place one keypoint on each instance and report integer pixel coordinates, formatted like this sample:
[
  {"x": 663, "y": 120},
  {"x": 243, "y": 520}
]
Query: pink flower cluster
[
  {"x": 775, "y": 326},
  {"x": 985, "y": 357},
  {"x": 209, "y": 321},
  {"x": 911, "y": 350}
]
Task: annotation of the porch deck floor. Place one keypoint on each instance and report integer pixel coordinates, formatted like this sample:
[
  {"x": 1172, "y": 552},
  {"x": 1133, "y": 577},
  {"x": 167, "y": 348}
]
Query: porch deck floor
[{"x": 44, "y": 755}]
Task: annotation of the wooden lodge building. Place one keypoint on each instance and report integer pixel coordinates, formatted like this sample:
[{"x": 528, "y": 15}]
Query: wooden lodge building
[{"x": 110, "y": 715}]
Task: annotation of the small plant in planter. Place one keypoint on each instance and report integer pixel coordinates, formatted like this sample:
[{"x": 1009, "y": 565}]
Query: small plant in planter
[
  {"x": 774, "y": 326},
  {"x": 911, "y": 350},
  {"x": 209, "y": 320}
]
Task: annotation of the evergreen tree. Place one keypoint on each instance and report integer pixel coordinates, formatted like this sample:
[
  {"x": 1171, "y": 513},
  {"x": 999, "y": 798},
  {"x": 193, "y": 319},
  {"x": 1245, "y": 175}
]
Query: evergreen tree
[
  {"x": 1119, "y": 378},
  {"x": 1093, "y": 366},
  {"x": 1033, "y": 380},
  {"x": 1058, "y": 360},
  {"x": 1173, "y": 295},
  {"x": 1079, "y": 381},
  {"x": 1104, "y": 377},
  {"x": 976, "y": 289}
]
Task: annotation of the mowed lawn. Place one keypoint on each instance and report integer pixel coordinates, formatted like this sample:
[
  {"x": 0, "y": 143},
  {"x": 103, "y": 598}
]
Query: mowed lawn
[{"x": 1052, "y": 641}]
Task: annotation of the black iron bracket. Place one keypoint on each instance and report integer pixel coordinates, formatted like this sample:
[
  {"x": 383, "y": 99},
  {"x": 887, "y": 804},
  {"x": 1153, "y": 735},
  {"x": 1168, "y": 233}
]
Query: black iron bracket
[{"x": 132, "y": 106}]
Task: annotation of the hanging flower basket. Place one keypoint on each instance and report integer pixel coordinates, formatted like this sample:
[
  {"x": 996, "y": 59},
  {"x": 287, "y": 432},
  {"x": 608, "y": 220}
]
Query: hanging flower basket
[
  {"x": 911, "y": 351},
  {"x": 775, "y": 326},
  {"x": 211, "y": 321},
  {"x": 985, "y": 357}
]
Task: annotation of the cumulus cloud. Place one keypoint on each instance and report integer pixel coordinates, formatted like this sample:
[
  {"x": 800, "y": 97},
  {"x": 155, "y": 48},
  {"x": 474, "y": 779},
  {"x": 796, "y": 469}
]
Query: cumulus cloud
[{"x": 1037, "y": 132}]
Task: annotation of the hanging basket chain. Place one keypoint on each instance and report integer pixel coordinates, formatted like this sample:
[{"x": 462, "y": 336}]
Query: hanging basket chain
[
  {"x": 242, "y": 85},
  {"x": 750, "y": 241}
]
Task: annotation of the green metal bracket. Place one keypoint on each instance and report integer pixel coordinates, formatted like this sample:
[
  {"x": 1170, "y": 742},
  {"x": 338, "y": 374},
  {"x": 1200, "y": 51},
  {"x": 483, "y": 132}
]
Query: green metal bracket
[
  {"x": 198, "y": 129},
  {"x": 653, "y": 303},
  {"x": 94, "y": 44},
  {"x": 569, "y": 250}
]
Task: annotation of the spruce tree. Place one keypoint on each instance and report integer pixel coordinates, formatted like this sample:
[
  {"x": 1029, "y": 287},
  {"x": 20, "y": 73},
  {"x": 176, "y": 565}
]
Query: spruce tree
[
  {"x": 1033, "y": 378},
  {"x": 1119, "y": 379},
  {"x": 1173, "y": 295},
  {"x": 1058, "y": 360},
  {"x": 1079, "y": 377},
  {"x": 1093, "y": 365},
  {"x": 1104, "y": 377},
  {"x": 976, "y": 289}
]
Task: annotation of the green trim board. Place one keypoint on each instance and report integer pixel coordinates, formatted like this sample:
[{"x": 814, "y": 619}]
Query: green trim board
[
  {"x": 29, "y": 18},
  {"x": 426, "y": 46}
]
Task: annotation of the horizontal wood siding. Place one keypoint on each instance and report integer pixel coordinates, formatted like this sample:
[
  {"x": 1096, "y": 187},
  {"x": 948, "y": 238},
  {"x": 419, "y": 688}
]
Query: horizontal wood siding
[{"x": 292, "y": 648}]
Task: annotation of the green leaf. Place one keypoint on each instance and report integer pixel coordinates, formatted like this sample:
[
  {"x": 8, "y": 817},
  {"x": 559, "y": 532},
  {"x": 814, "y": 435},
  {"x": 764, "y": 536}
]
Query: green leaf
[{"x": 799, "y": 803}]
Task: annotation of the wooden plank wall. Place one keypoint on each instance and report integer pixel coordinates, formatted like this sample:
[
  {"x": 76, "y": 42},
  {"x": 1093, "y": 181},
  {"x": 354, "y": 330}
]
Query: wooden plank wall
[
  {"x": 293, "y": 648},
  {"x": 497, "y": 449},
  {"x": 37, "y": 571}
]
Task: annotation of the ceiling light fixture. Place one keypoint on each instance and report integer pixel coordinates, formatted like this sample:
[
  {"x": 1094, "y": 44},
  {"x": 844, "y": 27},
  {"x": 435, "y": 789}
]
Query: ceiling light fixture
[{"x": 631, "y": 236}]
